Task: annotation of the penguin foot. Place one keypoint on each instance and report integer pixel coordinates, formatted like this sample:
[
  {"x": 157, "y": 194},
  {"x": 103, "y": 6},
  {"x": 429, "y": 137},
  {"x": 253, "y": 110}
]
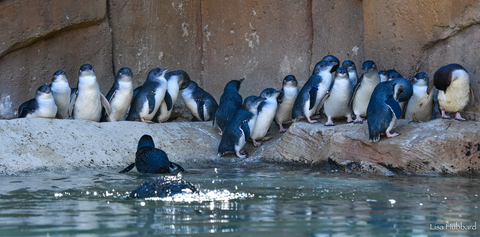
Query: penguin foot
[
  {"x": 349, "y": 119},
  {"x": 255, "y": 143},
  {"x": 266, "y": 139},
  {"x": 329, "y": 124},
  {"x": 220, "y": 133},
  {"x": 358, "y": 119},
  {"x": 242, "y": 154},
  {"x": 312, "y": 121},
  {"x": 459, "y": 117},
  {"x": 445, "y": 117},
  {"x": 282, "y": 129},
  {"x": 317, "y": 116},
  {"x": 390, "y": 135}
]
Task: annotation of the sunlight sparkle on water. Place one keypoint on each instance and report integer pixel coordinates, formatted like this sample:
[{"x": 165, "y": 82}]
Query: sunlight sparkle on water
[{"x": 204, "y": 196}]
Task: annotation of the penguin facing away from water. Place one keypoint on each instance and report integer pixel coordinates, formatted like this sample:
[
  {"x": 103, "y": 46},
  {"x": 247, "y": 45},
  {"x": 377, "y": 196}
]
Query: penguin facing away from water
[
  {"x": 42, "y": 106},
  {"x": 363, "y": 91},
  {"x": 201, "y": 104},
  {"x": 230, "y": 103},
  {"x": 286, "y": 99},
  {"x": 420, "y": 106},
  {"x": 87, "y": 100},
  {"x": 61, "y": 92},
  {"x": 383, "y": 108},
  {"x": 163, "y": 186},
  {"x": 265, "y": 115},
  {"x": 453, "y": 83},
  {"x": 120, "y": 96},
  {"x": 337, "y": 103},
  {"x": 313, "y": 93},
  {"x": 237, "y": 132},
  {"x": 148, "y": 97},
  {"x": 149, "y": 159},
  {"x": 176, "y": 81}
]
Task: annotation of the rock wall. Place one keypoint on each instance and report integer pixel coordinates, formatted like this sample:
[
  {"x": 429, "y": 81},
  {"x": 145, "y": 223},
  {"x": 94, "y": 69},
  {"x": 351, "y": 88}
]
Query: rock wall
[{"x": 217, "y": 41}]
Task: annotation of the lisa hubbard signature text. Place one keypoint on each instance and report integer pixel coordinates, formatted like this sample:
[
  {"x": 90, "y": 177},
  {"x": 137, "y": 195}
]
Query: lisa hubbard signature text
[{"x": 454, "y": 226}]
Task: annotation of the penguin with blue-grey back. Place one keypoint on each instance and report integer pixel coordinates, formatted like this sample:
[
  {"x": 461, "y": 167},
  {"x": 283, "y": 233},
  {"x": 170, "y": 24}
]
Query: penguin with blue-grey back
[{"x": 230, "y": 103}]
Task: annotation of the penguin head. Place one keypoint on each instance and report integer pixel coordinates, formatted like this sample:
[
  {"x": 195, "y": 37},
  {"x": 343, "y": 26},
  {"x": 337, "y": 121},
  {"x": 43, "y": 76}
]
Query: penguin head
[
  {"x": 44, "y": 92},
  {"x": 369, "y": 66},
  {"x": 252, "y": 102},
  {"x": 420, "y": 79},
  {"x": 383, "y": 75},
  {"x": 349, "y": 65},
  {"x": 59, "y": 76},
  {"x": 392, "y": 74},
  {"x": 290, "y": 81},
  {"x": 331, "y": 58},
  {"x": 125, "y": 74},
  {"x": 403, "y": 89},
  {"x": 270, "y": 93},
  {"x": 157, "y": 73},
  {"x": 145, "y": 141},
  {"x": 341, "y": 73},
  {"x": 234, "y": 85},
  {"x": 86, "y": 70},
  {"x": 323, "y": 66}
]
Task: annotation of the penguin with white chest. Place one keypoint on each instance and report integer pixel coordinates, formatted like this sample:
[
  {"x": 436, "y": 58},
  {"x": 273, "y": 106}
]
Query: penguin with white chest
[
  {"x": 120, "y": 96},
  {"x": 313, "y": 93},
  {"x": 363, "y": 91},
  {"x": 43, "y": 106},
  {"x": 88, "y": 100},
  {"x": 453, "y": 83},
  {"x": 337, "y": 103},
  {"x": 420, "y": 106},
  {"x": 265, "y": 115},
  {"x": 237, "y": 132},
  {"x": 286, "y": 99},
  {"x": 61, "y": 92},
  {"x": 384, "y": 108},
  {"x": 352, "y": 72},
  {"x": 148, "y": 97},
  {"x": 201, "y": 104},
  {"x": 176, "y": 81}
]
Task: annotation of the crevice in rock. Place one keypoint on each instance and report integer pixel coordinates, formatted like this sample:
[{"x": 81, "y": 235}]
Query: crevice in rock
[
  {"x": 30, "y": 41},
  {"x": 108, "y": 19},
  {"x": 312, "y": 32},
  {"x": 202, "y": 53},
  {"x": 462, "y": 28},
  {"x": 395, "y": 170}
]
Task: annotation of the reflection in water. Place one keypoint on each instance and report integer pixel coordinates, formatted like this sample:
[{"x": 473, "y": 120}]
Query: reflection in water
[{"x": 293, "y": 203}]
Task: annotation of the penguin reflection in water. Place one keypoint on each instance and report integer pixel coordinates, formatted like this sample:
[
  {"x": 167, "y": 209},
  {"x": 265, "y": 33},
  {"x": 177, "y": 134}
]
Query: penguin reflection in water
[
  {"x": 149, "y": 159},
  {"x": 383, "y": 108}
]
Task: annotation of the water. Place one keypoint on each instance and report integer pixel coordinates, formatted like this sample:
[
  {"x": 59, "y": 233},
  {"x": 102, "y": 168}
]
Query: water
[{"x": 240, "y": 202}]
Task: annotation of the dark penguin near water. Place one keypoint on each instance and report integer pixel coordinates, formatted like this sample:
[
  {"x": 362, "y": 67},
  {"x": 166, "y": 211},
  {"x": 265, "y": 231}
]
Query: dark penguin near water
[
  {"x": 315, "y": 90},
  {"x": 383, "y": 108},
  {"x": 43, "y": 106},
  {"x": 202, "y": 105},
  {"x": 149, "y": 159},
  {"x": 162, "y": 187},
  {"x": 230, "y": 103},
  {"x": 120, "y": 96},
  {"x": 453, "y": 84},
  {"x": 147, "y": 98},
  {"x": 238, "y": 131}
]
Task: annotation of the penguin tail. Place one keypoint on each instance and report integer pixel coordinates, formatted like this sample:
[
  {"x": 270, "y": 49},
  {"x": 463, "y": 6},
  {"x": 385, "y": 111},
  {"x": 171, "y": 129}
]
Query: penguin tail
[
  {"x": 176, "y": 168},
  {"x": 130, "y": 167}
]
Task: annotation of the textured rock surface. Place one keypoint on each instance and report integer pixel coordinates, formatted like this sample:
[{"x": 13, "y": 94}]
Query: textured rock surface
[{"x": 435, "y": 147}]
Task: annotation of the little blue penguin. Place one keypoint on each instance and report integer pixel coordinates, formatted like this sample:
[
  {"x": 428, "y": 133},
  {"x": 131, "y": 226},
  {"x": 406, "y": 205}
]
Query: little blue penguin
[
  {"x": 337, "y": 104},
  {"x": 392, "y": 74},
  {"x": 265, "y": 115},
  {"x": 334, "y": 60},
  {"x": 420, "y": 106},
  {"x": 163, "y": 186},
  {"x": 230, "y": 103},
  {"x": 202, "y": 105},
  {"x": 362, "y": 92},
  {"x": 352, "y": 71},
  {"x": 43, "y": 106},
  {"x": 453, "y": 84},
  {"x": 383, "y": 108},
  {"x": 61, "y": 92},
  {"x": 383, "y": 75},
  {"x": 120, "y": 96},
  {"x": 237, "y": 132},
  {"x": 148, "y": 97},
  {"x": 149, "y": 159},
  {"x": 87, "y": 100},
  {"x": 176, "y": 81},
  {"x": 313, "y": 93},
  {"x": 286, "y": 99}
]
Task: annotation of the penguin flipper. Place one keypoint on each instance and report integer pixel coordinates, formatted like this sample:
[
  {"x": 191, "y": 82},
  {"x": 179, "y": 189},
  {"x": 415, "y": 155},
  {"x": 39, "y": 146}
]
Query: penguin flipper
[
  {"x": 174, "y": 167},
  {"x": 200, "y": 104},
  {"x": 245, "y": 129},
  {"x": 105, "y": 103},
  {"x": 280, "y": 97},
  {"x": 72, "y": 103},
  {"x": 313, "y": 96},
  {"x": 111, "y": 96},
  {"x": 472, "y": 94},
  {"x": 394, "y": 106},
  {"x": 430, "y": 87},
  {"x": 168, "y": 101},
  {"x": 130, "y": 167},
  {"x": 151, "y": 101},
  {"x": 354, "y": 92}
]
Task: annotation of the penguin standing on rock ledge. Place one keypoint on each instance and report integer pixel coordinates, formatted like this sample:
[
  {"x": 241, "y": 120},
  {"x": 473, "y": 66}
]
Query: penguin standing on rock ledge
[
  {"x": 202, "y": 105},
  {"x": 61, "y": 92},
  {"x": 230, "y": 103},
  {"x": 285, "y": 101},
  {"x": 363, "y": 91},
  {"x": 43, "y": 106},
  {"x": 453, "y": 83},
  {"x": 120, "y": 96}
]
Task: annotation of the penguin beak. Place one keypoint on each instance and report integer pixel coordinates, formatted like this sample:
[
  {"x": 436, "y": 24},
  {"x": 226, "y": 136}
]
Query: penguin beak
[{"x": 241, "y": 80}]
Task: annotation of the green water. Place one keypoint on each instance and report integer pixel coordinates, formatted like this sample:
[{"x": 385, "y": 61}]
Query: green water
[{"x": 240, "y": 202}]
